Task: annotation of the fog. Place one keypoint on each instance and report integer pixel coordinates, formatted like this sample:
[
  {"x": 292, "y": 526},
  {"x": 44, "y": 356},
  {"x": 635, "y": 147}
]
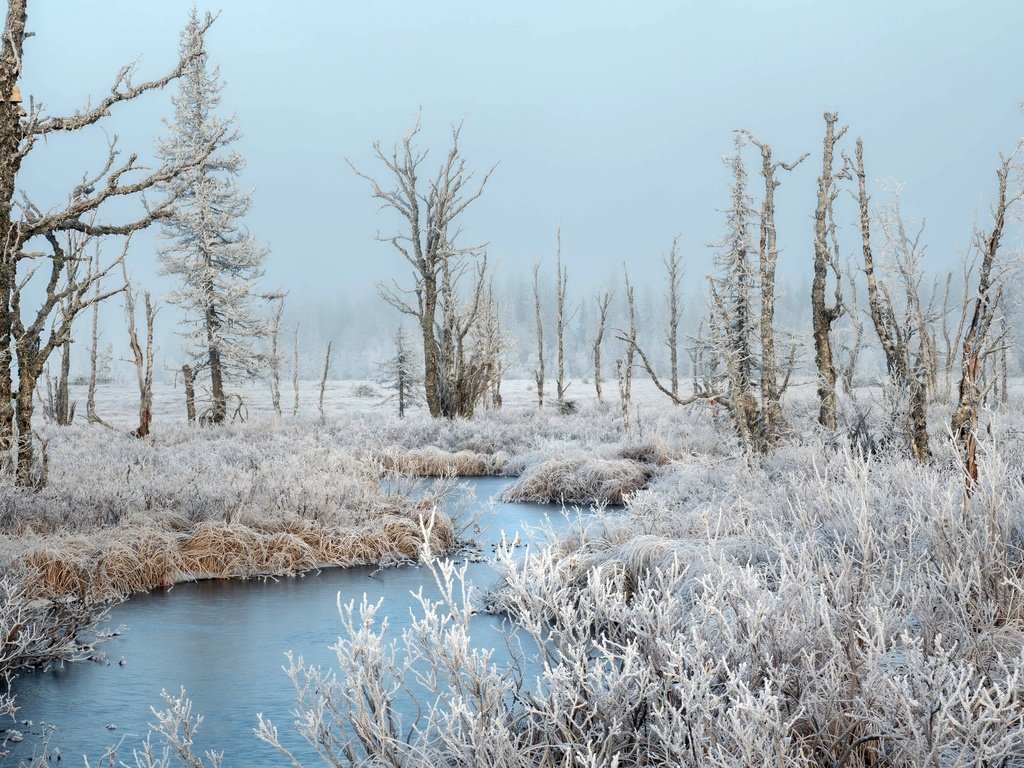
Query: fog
[{"x": 609, "y": 119}]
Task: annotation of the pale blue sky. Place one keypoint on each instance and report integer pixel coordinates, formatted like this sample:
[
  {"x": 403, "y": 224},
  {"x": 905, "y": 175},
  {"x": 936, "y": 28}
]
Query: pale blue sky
[{"x": 608, "y": 117}]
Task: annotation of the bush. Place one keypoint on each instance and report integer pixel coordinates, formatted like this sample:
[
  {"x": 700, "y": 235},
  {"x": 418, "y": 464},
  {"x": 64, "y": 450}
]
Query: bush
[{"x": 818, "y": 610}]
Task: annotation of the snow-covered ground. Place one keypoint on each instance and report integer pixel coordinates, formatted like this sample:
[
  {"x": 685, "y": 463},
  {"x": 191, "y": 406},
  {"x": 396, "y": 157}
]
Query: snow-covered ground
[
  {"x": 119, "y": 401},
  {"x": 815, "y": 604}
]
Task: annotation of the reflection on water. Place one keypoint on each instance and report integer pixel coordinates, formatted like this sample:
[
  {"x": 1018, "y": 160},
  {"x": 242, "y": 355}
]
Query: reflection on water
[{"x": 224, "y": 641}]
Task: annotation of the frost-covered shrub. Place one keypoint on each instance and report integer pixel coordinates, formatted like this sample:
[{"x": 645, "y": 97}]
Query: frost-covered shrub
[
  {"x": 365, "y": 390},
  {"x": 579, "y": 479},
  {"x": 36, "y": 633},
  {"x": 437, "y": 462},
  {"x": 814, "y": 610},
  {"x": 125, "y": 515}
]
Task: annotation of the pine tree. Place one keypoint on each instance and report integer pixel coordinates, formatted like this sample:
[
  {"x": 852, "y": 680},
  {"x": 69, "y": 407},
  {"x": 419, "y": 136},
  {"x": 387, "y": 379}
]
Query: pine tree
[
  {"x": 401, "y": 374},
  {"x": 211, "y": 253}
]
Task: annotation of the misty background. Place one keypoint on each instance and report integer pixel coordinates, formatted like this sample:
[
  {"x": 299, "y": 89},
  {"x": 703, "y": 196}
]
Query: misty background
[{"x": 610, "y": 119}]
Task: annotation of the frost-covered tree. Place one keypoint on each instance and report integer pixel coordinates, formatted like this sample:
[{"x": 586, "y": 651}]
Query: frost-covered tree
[
  {"x": 210, "y": 251},
  {"x": 35, "y": 294},
  {"x": 402, "y": 373},
  {"x": 455, "y": 375}
]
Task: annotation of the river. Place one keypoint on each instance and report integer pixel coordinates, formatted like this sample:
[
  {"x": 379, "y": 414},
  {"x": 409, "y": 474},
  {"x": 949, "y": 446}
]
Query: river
[{"x": 224, "y": 642}]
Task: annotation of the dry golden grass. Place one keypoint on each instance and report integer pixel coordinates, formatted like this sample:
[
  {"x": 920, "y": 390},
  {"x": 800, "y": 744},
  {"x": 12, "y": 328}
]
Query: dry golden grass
[
  {"x": 57, "y": 571},
  {"x": 436, "y": 462},
  {"x": 579, "y": 480},
  {"x": 113, "y": 563}
]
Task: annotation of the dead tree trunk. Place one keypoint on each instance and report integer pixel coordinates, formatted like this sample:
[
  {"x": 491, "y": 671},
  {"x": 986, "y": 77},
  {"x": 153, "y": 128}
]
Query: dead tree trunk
[
  {"x": 189, "y": 378},
  {"x": 624, "y": 368},
  {"x": 1004, "y": 343},
  {"x": 561, "y": 285},
  {"x": 631, "y": 344},
  {"x": 674, "y": 271},
  {"x": 295, "y": 372},
  {"x": 493, "y": 344},
  {"x": 889, "y": 330},
  {"x": 427, "y": 243},
  {"x": 603, "y": 302},
  {"x": 323, "y": 378},
  {"x": 20, "y": 134},
  {"x": 275, "y": 358},
  {"x": 64, "y": 409},
  {"x": 846, "y": 368},
  {"x": 12, "y": 133},
  {"x": 625, "y": 392},
  {"x": 143, "y": 359},
  {"x": 768, "y": 257},
  {"x": 32, "y": 351},
  {"x": 964, "y": 423},
  {"x": 822, "y": 315},
  {"x": 539, "y": 374},
  {"x": 90, "y": 400}
]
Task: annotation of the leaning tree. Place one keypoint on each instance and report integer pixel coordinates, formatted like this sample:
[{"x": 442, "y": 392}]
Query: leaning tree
[
  {"x": 33, "y": 256},
  {"x": 456, "y": 371}
]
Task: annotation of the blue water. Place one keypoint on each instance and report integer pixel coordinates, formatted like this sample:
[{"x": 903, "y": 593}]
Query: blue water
[{"x": 224, "y": 641}]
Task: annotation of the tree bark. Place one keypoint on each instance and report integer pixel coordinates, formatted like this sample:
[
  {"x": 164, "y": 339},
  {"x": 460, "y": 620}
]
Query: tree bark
[
  {"x": 561, "y": 285},
  {"x": 768, "y": 257},
  {"x": 822, "y": 315},
  {"x": 539, "y": 374},
  {"x": 890, "y": 335},
  {"x": 964, "y": 422},
  {"x": 603, "y": 301},
  {"x": 188, "y": 376},
  {"x": 323, "y": 378},
  {"x": 11, "y": 134},
  {"x": 673, "y": 271}
]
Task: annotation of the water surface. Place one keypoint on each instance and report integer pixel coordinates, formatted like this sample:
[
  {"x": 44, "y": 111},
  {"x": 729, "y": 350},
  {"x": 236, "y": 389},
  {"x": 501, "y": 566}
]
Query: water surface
[{"x": 224, "y": 641}]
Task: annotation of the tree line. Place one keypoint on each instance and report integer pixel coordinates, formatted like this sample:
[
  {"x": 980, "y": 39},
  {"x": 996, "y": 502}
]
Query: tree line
[{"x": 737, "y": 357}]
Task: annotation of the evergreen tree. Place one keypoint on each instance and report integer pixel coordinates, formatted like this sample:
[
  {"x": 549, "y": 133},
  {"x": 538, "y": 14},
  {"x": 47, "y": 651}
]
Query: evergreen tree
[
  {"x": 401, "y": 374},
  {"x": 211, "y": 253}
]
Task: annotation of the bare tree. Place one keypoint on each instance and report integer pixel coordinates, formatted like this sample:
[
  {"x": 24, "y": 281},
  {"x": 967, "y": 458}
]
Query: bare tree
[
  {"x": 73, "y": 293},
  {"x": 634, "y": 349},
  {"x": 323, "y": 377},
  {"x": 143, "y": 359},
  {"x": 964, "y": 422},
  {"x": 849, "y": 350},
  {"x": 63, "y": 410},
  {"x": 84, "y": 211},
  {"x": 768, "y": 253},
  {"x": 822, "y": 315},
  {"x": 562, "y": 317},
  {"x": 539, "y": 374},
  {"x": 452, "y": 378},
  {"x": 295, "y": 372},
  {"x": 90, "y": 400},
  {"x": 631, "y": 338},
  {"x": 895, "y": 332},
  {"x": 274, "y": 358},
  {"x": 673, "y": 262},
  {"x": 189, "y": 379},
  {"x": 624, "y": 365},
  {"x": 604, "y": 300},
  {"x": 494, "y": 343}
]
